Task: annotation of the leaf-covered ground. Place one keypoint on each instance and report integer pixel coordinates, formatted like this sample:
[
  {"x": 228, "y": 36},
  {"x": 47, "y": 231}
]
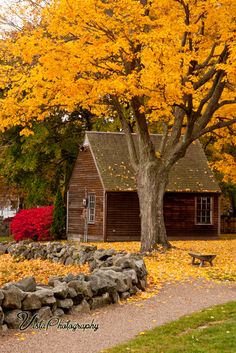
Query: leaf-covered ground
[
  {"x": 12, "y": 270},
  {"x": 164, "y": 266}
]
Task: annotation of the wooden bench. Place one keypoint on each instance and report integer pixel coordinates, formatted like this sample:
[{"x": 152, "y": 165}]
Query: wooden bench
[{"x": 202, "y": 258}]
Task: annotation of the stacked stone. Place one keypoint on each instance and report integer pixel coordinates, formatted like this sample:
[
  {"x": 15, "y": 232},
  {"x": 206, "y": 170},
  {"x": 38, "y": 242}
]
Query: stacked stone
[
  {"x": 115, "y": 276},
  {"x": 54, "y": 251}
]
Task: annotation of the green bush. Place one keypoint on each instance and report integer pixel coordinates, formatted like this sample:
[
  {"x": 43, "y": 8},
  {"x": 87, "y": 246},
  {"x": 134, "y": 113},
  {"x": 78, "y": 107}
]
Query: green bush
[{"x": 58, "y": 229}]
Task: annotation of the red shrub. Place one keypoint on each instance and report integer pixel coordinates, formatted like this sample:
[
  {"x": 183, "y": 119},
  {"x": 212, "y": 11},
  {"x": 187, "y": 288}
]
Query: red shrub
[{"x": 34, "y": 223}]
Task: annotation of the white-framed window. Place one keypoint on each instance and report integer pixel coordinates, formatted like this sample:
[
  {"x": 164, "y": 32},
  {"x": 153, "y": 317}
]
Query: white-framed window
[
  {"x": 204, "y": 205},
  {"x": 91, "y": 207}
]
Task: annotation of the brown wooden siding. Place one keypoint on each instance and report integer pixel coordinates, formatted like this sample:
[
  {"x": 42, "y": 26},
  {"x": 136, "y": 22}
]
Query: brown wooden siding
[
  {"x": 85, "y": 175},
  {"x": 123, "y": 222},
  {"x": 180, "y": 216}
]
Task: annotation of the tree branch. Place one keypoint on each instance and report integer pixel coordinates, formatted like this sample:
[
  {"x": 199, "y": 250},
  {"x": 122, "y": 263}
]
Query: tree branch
[
  {"x": 208, "y": 96},
  {"x": 177, "y": 126},
  {"x": 164, "y": 138},
  {"x": 212, "y": 105},
  {"x": 225, "y": 102},
  {"x": 206, "y": 62},
  {"x": 208, "y": 75},
  {"x": 131, "y": 146},
  {"x": 216, "y": 126}
]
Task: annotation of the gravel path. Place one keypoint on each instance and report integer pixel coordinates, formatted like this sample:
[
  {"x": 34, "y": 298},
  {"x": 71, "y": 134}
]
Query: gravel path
[{"x": 119, "y": 323}]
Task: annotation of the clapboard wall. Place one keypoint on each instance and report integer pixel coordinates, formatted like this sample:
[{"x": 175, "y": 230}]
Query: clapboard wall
[
  {"x": 123, "y": 217},
  {"x": 84, "y": 179}
]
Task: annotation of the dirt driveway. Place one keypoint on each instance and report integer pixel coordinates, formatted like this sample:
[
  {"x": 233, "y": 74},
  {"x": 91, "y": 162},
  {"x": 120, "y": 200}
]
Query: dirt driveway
[{"x": 116, "y": 323}]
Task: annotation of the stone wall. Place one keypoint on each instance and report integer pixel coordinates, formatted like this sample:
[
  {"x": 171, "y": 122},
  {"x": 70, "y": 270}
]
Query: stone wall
[{"x": 115, "y": 275}]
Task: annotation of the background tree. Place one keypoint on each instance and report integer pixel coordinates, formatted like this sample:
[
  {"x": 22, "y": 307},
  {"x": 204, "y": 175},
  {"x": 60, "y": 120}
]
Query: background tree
[
  {"x": 220, "y": 147},
  {"x": 58, "y": 229},
  {"x": 37, "y": 164},
  {"x": 165, "y": 62}
]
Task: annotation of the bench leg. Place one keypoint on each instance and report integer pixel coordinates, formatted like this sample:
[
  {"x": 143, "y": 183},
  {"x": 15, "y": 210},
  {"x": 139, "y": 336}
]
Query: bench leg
[
  {"x": 202, "y": 263},
  {"x": 193, "y": 261},
  {"x": 211, "y": 263}
]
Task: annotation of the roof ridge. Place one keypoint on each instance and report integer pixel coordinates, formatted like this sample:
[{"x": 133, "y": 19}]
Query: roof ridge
[{"x": 116, "y": 132}]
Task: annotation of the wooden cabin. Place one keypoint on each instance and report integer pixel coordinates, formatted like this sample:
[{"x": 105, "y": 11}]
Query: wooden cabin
[{"x": 102, "y": 202}]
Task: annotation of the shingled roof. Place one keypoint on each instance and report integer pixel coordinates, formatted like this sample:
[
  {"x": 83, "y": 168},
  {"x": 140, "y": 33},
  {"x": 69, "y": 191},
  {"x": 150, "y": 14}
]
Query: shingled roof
[{"x": 110, "y": 151}]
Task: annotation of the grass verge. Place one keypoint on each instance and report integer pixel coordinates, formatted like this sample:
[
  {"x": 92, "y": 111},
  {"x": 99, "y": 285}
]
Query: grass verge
[
  {"x": 5, "y": 238},
  {"x": 212, "y": 330}
]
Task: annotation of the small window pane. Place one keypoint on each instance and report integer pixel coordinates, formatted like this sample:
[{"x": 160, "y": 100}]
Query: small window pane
[
  {"x": 204, "y": 210},
  {"x": 91, "y": 207}
]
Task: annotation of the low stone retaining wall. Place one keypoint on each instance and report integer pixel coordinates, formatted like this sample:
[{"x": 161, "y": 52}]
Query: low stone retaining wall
[
  {"x": 115, "y": 275},
  {"x": 54, "y": 251}
]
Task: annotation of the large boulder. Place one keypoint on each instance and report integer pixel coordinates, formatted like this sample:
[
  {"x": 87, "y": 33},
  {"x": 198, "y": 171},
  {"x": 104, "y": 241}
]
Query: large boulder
[
  {"x": 43, "y": 313},
  {"x": 13, "y": 297},
  {"x": 27, "y": 284},
  {"x": 103, "y": 255},
  {"x": 133, "y": 261},
  {"x": 64, "y": 303},
  {"x": 99, "y": 301},
  {"x": 81, "y": 287},
  {"x": 58, "y": 312},
  {"x": 85, "y": 252},
  {"x": 71, "y": 293},
  {"x": 81, "y": 308},
  {"x": 61, "y": 290},
  {"x": 129, "y": 272},
  {"x": 108, "y": 280},
  {"x": 12, "y": 320},
  {"x": 46, "y": 296},
  {"x": 31, "y": 302},
  {"x": 69, "y": 277}
]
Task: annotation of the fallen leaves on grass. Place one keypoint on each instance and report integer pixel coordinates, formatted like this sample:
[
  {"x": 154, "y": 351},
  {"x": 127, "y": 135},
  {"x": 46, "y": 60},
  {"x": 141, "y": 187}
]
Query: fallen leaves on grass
[{"x": 11, "y": 270}]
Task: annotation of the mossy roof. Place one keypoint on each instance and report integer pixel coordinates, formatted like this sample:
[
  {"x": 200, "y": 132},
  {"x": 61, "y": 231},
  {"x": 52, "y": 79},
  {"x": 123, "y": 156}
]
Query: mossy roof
[{"x": 110, "y": 151}]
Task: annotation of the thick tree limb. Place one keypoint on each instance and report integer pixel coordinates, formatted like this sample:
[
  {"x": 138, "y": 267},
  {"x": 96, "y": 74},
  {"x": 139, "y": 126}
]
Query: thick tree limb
[
  {"x": 212, "y": 106},
  {"x": 146, "y": 147},
  {"x": 205, "y": 78},
  {"x": 131, "y": 146},
  {"x": 177, "y": 126},
  {"x": 208, "y": 96},
  {"x": 206, "y": 62},
  {"x": 164, "y": 138}
]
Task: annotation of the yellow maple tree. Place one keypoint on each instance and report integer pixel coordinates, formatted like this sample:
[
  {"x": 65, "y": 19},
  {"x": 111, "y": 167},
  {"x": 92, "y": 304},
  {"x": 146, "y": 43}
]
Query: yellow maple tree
[{"x": 169, "y": 62}]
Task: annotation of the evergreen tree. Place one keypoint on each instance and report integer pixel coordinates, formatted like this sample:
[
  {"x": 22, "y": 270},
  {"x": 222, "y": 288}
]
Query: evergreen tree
[{"x": 58, "y": 229}]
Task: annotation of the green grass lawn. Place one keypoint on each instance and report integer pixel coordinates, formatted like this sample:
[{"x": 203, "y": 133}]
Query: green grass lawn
[
  {"x": 210, "y": 331},
  {"x": 7, "y": 238}
]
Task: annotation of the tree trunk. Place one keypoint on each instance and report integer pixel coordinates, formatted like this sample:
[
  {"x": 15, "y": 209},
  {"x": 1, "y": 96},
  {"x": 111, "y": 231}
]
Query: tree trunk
[{"x": 151, "y": 183}]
